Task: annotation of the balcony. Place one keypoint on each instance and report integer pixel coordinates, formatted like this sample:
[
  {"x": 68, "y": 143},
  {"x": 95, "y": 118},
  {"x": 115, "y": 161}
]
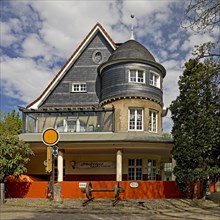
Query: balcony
[{"x": 68, "y": 121}]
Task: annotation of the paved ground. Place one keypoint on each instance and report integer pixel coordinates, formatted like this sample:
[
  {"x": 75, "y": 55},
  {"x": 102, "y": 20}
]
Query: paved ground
[{"x": 40, "y": 209}]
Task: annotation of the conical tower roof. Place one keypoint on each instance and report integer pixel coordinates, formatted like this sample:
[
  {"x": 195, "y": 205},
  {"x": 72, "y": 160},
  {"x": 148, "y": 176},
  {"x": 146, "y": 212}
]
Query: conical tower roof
[{"x": 131, "y": 49}]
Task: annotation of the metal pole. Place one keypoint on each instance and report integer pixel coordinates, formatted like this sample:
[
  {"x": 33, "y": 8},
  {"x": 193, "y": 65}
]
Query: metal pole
[
  {"x": 53, "y": 174},
  {"x": 2, "y": 193}
]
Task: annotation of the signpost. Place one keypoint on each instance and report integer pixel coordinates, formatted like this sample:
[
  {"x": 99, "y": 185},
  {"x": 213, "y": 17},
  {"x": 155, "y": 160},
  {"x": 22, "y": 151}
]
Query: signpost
[
  {"x": 49, "y": 160},
  {"x": 50, "y": 137}
]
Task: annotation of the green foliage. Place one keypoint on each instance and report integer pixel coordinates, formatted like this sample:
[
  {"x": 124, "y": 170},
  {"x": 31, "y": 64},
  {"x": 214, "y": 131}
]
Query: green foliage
[
  {"x": 14, "y": 153},
  {"x": 196, "y": 130},
  {"x": 10, "y": 123},
  {"x": 166, "y": 135}
]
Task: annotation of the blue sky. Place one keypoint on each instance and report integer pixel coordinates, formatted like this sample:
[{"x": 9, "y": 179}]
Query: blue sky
[{"x": 38, "y": 36}]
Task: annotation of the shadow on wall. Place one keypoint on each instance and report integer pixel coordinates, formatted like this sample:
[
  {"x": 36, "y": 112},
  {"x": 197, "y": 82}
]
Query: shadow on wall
[
  {"x": 17, "y": 190},
  {"x": 25, "y": 187}
]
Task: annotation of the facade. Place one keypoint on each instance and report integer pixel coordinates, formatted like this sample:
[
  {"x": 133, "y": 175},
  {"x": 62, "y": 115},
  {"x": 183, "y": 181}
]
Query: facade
[{"x": 107, "y": 105}]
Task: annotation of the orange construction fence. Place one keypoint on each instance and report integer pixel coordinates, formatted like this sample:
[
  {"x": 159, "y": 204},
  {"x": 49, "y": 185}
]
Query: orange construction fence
[{"x": 137, "y": 190}]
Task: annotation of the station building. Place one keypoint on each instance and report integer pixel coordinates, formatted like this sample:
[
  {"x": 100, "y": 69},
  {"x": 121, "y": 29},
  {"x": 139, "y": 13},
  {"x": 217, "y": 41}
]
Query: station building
[{"x": 107, "y": 105}]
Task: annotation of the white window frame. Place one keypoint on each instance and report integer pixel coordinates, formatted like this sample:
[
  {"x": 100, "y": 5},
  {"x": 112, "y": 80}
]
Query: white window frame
[
  {"x": 153, "y": 121},
  {"x": 151, "y": 169},
  {"x": 136, "y": 124},
  {"x": 136, "y": 78},
  {"x": 81, "y": 87},
  {"x": 66, "y": 128},
  {"x": 154, "y": 79},
  {"x": 134, "y": 169}
]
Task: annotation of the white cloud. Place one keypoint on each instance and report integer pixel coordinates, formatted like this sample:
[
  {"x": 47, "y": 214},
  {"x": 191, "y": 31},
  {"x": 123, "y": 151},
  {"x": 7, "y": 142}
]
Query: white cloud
[
  {"x": 23, "y": 79},
  {"x": 7, "y": 30},
  {"x": 196, "y": 39},
  {"x": 174, "y": 45},
  {"x": 66, "y": 23},
  {"x": 170, "y": 89},
  {"x": 33, "y": 41}
]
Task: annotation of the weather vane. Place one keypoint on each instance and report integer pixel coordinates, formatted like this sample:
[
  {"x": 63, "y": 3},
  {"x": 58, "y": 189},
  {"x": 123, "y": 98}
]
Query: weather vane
[{"x": 132, "y": 27}]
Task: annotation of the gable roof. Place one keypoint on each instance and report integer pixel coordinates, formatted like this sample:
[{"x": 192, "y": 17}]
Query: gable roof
[{"x": 98, "y": 27}]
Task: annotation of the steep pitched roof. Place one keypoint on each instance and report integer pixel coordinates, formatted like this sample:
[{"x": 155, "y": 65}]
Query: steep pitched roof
[{"x": 98, "y": 27}]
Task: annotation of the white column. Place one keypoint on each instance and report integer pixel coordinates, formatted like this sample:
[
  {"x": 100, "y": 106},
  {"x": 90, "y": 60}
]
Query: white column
[
  {"x": 119, "y": 165},
  {"x": 60, "y": 166}
]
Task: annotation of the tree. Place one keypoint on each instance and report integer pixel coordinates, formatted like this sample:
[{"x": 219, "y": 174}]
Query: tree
[
  {"x": 14, "y": 153},
  {"x": 166, "y": 135},
  {"x": 10, "y": 124},
  {"x": 196, "y": 130},
  {"x": 202, "y": 15}
]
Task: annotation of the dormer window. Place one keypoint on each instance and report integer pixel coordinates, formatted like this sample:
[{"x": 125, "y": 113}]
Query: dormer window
[
  {"x": 137, "y": 76},
  {"x": 79, "y": 87},
  {"x": 154, "y": 79}
]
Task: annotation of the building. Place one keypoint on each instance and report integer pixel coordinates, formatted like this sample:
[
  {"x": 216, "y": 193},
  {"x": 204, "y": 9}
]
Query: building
[{"x": 107, "y": 104}]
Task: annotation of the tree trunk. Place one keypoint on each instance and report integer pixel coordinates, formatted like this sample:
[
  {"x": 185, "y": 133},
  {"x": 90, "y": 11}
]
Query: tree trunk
[{"x": 195, "y": 189}]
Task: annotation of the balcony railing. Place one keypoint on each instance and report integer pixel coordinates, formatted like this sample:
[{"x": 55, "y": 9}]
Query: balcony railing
[{"x": 36, "y": 121}]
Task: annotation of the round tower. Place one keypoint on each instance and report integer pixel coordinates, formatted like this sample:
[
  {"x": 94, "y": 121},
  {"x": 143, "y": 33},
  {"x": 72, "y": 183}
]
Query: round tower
[{"x": 131, "y": 79}]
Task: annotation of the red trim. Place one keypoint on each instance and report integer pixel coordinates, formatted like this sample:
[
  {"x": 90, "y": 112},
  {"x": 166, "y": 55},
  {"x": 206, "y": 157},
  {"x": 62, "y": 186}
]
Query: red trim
[{"x": 54, "y": 79}]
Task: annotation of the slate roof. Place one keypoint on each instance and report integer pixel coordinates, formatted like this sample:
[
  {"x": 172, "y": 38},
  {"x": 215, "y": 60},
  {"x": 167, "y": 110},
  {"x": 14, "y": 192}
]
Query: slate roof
[
  {"x": 98, "y": 27},
  {"x": 131, "y": 49}
]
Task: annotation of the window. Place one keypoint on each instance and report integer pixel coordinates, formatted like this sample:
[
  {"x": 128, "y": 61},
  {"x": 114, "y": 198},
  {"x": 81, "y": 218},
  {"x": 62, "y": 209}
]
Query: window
[
  {"x": 168, "y": 167},
  {"x": 71, "y": 125},
  {"x": 151, "y": 169},
  {"x": 135, "y": 169},
  {"x": 153, "y": 118},
  {"x": 79, "y": 87},
  {"x": 154, "y": 79},
  {"x": 137, "y": 76},
  {"x": 136, "y": 119}
]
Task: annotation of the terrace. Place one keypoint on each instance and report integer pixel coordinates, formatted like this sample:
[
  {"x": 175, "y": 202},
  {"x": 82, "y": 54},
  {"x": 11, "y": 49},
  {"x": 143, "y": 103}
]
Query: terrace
[{"x": 68, "y": 120}]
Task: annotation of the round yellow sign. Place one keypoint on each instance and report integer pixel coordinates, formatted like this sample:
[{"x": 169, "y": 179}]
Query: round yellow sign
[{"x": 50, "y": 136}]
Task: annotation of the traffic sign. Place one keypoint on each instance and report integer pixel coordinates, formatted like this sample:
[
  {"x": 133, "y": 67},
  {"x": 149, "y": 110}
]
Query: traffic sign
[
  {"x": 49, "y": 159},
  {"x": 50, "y": 136},
  {"x": 55, "y": 150}
]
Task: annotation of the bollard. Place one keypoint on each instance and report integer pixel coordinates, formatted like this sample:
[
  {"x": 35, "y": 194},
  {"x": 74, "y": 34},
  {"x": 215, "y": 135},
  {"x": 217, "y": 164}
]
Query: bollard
[{"x": 2, "y": 193}]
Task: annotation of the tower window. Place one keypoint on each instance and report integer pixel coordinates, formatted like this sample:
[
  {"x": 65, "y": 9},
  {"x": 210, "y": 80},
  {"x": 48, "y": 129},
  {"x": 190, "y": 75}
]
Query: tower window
[
  {"x": 154, "y": 79},
  {"x": 137, "y": 76},
  {"x": 153, "y": 119},
  {"x": 136, "y": 119}
]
